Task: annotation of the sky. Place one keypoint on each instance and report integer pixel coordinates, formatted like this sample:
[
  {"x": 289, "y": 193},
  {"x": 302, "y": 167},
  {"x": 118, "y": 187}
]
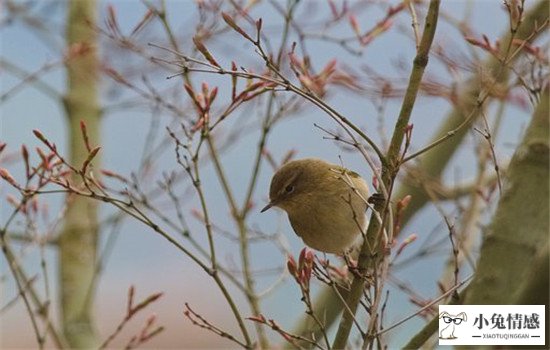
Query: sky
[{"x": 145, "y": 260}]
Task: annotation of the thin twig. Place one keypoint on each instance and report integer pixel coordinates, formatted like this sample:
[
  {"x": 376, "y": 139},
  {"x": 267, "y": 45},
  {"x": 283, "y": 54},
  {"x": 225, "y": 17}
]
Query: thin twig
[{"x": 433, "y": 302}]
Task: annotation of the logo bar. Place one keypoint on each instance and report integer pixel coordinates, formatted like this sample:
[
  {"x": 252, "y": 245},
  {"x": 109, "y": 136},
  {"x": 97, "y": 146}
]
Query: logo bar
[{"x": 492, "y": 324}]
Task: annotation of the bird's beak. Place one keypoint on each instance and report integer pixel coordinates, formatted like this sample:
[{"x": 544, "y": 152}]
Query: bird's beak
[{"x": 267, "y": 207}]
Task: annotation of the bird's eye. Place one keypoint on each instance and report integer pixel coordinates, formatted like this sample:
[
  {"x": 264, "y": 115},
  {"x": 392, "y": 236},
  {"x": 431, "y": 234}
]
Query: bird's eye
[{"x": 289, "y": 189}]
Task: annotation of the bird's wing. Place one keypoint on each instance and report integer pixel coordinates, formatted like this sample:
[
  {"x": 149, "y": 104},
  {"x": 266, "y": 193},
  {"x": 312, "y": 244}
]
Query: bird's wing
[{"x": 350, "y": 173}]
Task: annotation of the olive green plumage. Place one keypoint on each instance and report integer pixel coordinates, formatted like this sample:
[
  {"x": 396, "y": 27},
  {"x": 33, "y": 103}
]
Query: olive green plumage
[{"x": 325, "y": 203}]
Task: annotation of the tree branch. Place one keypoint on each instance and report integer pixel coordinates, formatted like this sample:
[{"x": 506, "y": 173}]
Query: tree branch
[{"x": 389, "y": 171}]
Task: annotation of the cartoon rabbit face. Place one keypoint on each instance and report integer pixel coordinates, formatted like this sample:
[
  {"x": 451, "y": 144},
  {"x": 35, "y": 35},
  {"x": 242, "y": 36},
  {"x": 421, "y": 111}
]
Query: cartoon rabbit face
[{"x": 451, "y": 321}]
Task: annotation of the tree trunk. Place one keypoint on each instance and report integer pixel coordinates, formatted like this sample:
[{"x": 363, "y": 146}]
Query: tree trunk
[
  {"x": 519, "y": 230},
  {"x": 78, "y": 239}
]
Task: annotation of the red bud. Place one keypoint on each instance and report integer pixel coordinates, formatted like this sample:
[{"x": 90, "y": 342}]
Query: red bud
[
  {"x": 402, "y": 204},
  {"x": 25, "y": 154},
  {"x": 406, "y": 242},
  {"x": 213, "y": 94},
  {"x": 39, "y": 135},
  {"x": 230, "y": 22},
  {"x": 91, "y": 156},
  {"x": 291, "y": 265},
  {"x": 259, "y": 24},
  {"x": 5, "y": 174},
  {"x": 354, "y": 25}
]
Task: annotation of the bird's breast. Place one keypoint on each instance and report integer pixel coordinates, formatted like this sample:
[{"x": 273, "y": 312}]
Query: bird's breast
[{"x": 330, "y": 224}]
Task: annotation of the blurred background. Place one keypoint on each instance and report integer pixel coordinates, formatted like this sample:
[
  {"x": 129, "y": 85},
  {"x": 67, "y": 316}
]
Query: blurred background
[{"x": 134, "y": 140}]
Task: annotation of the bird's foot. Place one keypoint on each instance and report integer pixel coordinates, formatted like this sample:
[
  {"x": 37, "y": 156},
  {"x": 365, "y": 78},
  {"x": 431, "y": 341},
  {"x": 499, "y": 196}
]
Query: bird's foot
[
  {"x": 355, "y": 270},
  {"x": 376, "y": 199}
]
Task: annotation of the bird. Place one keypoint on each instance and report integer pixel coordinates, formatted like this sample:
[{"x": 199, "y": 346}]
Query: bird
[{"x": 326, "y": 203}]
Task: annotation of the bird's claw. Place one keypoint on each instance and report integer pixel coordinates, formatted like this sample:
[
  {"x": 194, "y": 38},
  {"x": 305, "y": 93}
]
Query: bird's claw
[{"x": 376, "y": 199}]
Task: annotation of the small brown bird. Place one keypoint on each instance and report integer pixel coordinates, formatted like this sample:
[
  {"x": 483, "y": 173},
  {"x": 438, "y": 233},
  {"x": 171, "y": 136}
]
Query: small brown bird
[{"x": 325, "y": 203}]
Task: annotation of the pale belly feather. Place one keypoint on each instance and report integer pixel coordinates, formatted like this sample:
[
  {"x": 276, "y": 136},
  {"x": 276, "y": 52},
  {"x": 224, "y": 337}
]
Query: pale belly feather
[{"x": 333, "y": 227}]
